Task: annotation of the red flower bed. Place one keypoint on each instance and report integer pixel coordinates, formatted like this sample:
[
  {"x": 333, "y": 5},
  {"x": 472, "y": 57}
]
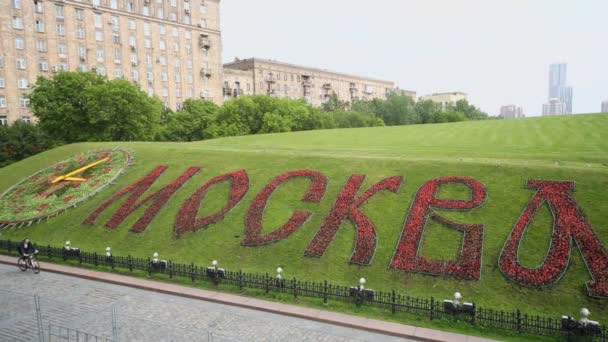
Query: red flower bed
[
  {"x": 20, "y": 209},
  {"x": 20, "y": 192},
  {"x": 42, "y": 207},
  {"x": 158, "y": 198},
  {"x": 68, "y": 198},
  {"x": 186, "y": 218},
  {"x": 347, "y": 206},
  {"x": 468, "y": 264},
  {"x": 255, "y": 214},
  {"x": 569, "y": 223}
]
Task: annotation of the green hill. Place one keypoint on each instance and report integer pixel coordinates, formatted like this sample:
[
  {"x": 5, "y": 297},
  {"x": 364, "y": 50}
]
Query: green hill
[{"x": 502, "y": 155}]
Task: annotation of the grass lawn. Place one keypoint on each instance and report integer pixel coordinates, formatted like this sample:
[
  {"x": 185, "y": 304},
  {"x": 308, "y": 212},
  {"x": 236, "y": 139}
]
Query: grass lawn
[{"x": 500, "y": 154}]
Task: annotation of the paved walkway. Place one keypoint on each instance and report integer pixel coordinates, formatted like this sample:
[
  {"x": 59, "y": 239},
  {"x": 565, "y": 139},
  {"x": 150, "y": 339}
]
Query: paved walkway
[{"x": 83, "y": 300}]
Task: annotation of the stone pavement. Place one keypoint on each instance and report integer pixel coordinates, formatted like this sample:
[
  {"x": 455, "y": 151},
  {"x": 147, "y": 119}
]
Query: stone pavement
[{"x": 84, "y": 300}]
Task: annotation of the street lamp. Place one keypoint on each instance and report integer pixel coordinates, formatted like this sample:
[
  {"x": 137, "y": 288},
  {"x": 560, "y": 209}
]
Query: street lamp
[
  {"x": 362, "y": 283},
  {"x": 68, "y": 245},
  {"x": 108, "y": 252},
  {"x": 457, "y": 299},
  {"x": 155, "y": 257},
  {"x": 279, "y": 271}
]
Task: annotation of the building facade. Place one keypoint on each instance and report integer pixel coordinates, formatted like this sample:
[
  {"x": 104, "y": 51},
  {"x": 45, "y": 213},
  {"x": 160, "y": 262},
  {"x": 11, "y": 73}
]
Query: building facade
[
  {"x": 255, "y": 76},
  {"x": 605, "y": 106},
  {"x": 554, "y": 107},
  {"x": 445, "y": 99},
  {"x": 558, "y": 88},
  {"x": 170, "y": 48},
  {"x": 511, "y": 112}
]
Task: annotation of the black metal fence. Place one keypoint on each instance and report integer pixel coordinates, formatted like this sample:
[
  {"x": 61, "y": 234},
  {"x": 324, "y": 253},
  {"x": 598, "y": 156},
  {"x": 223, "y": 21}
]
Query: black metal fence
[{"x": 513, "y": 321}]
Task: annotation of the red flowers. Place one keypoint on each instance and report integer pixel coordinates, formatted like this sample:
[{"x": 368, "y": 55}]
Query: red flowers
[
  {"x": 253, "y": 221},
  {"x": 186, "y": 218},
  {"x": 347, "y": 207},
  {"x": 158, "y": 198},
  {"x": 569, "y": 223},
  {"x": 42, "y": 207},
  {"x": 468, "y": 265}
]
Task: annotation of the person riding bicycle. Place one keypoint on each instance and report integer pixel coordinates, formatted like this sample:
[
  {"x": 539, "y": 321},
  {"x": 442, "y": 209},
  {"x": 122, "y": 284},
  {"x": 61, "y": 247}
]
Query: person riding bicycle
[{"x": 26, "y": 248}]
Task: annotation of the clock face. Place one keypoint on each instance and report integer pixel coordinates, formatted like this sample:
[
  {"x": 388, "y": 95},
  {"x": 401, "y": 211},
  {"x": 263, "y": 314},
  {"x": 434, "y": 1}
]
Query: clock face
[{"x": 61, "y": 186}]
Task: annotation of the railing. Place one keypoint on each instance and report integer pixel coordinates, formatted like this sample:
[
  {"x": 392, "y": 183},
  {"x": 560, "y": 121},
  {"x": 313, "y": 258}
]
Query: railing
[{"x": 513, "y": 321}]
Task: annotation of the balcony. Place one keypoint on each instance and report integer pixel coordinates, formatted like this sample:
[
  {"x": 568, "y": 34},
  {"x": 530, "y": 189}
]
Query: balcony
[
  {"x": 270, "y": 79},
  {"x": 227, "y": 91},
  {"x": 237, "y": 92},
  {"x": 206, "y": 72},
  {"x": 206, "y": 96},
  {"x": 306, "y": 83},
  {"x": 327, "y": 86},
  {"x": 204, "y": 42}
]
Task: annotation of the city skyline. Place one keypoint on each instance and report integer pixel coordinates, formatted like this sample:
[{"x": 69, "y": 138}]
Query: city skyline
[{"x": 413, "y": 44}]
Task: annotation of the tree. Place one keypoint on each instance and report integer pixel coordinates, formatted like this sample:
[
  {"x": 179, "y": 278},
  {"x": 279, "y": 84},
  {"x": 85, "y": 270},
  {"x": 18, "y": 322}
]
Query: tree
[
  {"x": 192, "y": 122},
  {"x": 21, "y": 140},
  {"x": 334, "y": 104},
  {"x": 84, "y": 106}
]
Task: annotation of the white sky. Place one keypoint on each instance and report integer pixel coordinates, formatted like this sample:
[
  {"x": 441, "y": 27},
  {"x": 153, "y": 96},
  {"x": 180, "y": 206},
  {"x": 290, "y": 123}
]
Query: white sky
[{"x": 497, "y": 51}]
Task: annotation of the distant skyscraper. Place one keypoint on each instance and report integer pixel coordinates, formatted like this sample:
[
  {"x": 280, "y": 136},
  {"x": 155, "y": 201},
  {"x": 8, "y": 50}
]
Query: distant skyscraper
[
  {"x": 558, "y": 89},
  {"x": 511, "y": 112},
  {"x": 605, "y": 106}
]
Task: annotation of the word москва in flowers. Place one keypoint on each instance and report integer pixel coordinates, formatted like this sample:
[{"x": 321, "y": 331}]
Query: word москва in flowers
[{"x": 569, "y": 223}]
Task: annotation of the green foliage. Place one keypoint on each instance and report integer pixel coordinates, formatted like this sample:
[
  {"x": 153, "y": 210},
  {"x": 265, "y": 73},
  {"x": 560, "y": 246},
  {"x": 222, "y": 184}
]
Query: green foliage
[
  {"x": 191, "y": 123},
  {"x": 21, "y": 140},
  {"x": 333, "y": 104},
  {"x": 84, "y": 106}
]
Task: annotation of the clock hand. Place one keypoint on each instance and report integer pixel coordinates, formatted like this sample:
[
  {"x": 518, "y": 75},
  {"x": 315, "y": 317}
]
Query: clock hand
[{"x": 82, "y": 169}]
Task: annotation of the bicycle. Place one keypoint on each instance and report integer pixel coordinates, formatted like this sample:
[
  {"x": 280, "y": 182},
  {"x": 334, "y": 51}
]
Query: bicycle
[{"x": 29, "y": 261}]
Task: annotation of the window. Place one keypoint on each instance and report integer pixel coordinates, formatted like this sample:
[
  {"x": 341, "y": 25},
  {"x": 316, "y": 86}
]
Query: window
[
  {"x": 2, "y": 84},
  {"x": 118, "y": 73},
  {"x": 175, "y": 32},
  {"x": 114, "y": 4},
  {"x": 26, "y": 119},
  {"x": 162, "y": 29},
  {"x": 62, "y": 50},
  {"x": 133, "y": 59},
  {"x": 160, "y": 13},
  {"x": 59, "y": 11},
  {"x": 189, "y": 64},
  {"x": 186, "y": 6},
  {"x": 190, "y": 92},
  {"x": 175, "y": 47},
  {"x": 39, "y": 25},
  {"x": 117, "y": 54},
  {"x": 19, "y": 43},
  {"x": 98, "y": 20},
  {"x": 164, "y": 77},
  {"x": 178, "y": 77},
  {"x": 39, "y": 7},
  {"x": 165, "y": 92},
  {"x": 174, "y": 3},
  {"x": 173, "y": 16},
  {"x": 150, "y": 91},
  {"x": 22, "y": 83},
  {"x": 188, "y": 48},
  {"x": 131, "y": 7},
  {"x": 64, "y": 66},
  {"x": 96, "y": 3},
  {"x": 99, "y": 36},
  {"x": 178, "y": 92},
  {"x": 190, "y": 78},
  {"x": 80, "y": 32},
  {"x": 188, "y": 34},
  {"x": 18, "y": 22},
  {"x": 150, "y": 76},
  {"x": 24, "y": 103},
  {"x": 21, "y": 64},
  {"x": 162, "y": 44},
  {"x": 83, "y": 68},
  {"x": 149, "y": 60},
  {"x": 82, "y": 52},
  {"x": 163, "y": 60},
  {"x": 135, "y": 75},
  {"x": 115, "y": 23},
  {"x": 147, "y": 29},
  {"x": 79, "y": 14},
  {"x": 101, "y": 55},
  {"x": 147, "y": 43},
  {"x": 3, "y": 105},
  {"x": 60, "y": 29},
  {"x": 203, "y": 7},
  {"x": 187, "y": 20},
  {"x": 178, "y": 63},
  {"x": 116, "y": 38},
  {"x": 132, "y": 24},
  {"x": 101, "y": 70},
  {"x": 146, "y": 10},
  {"x": 132, "y": 41},
  {"x": 43, "y": 65},
  {"x": 17, "y": 4}
]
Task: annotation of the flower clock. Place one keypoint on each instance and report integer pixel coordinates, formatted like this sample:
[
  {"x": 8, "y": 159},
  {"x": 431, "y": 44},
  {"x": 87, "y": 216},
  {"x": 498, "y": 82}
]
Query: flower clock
[{"x": 64, "y": 185}]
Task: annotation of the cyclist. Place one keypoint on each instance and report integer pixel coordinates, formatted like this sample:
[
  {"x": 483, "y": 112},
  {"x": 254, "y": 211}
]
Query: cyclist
[{"x": 26, "y": 248}]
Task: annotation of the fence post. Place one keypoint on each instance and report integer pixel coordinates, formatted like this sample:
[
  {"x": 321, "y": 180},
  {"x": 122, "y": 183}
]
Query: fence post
[
  {"x": 192, "y": 271},
  {"x": 432, "y": 308},
  {"x": 96, "y": 261},
  {"x": 394, "y": 300},
  {"x": 267, "y": 280},
  {"x": 170, "y": 266},
  {"x": 48, "y": 252},
  {"x": 240, "y": 279},
  {"x": 518, "y": 321},
  {"x": 130, "y": 261},
  {"x": 474, "y": 313},
  {"x": 8, "y": 246},
  {"x": 80, "y": 258},
  {"x": 295, "y": 287},
  {"x": 325, "y": 291},
  {"x": 149, "y": 267}
]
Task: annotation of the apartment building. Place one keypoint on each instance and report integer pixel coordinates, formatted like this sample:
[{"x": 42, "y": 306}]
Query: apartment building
[
  {"x": 605, "y": 106},
  {"x": 171, "y": 48},
  {"x": 511, "y": 112},
  {"x": 445, "y": 99},
  {"x": 256, "y": 76}
]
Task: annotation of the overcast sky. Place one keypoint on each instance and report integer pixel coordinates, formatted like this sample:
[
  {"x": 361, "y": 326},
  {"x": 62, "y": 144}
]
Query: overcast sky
[{"x": 497, "y": 51}]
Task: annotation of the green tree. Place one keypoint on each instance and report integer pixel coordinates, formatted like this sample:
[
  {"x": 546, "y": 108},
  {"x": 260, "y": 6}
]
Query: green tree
[
  {"x": 192, "y": 122},
  {"x": 21, "y": 140},
  {"x": 334, "y": 104},
  {"x": 84, "y": 106}
]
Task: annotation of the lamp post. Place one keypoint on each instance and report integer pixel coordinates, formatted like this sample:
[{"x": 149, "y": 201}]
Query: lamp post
[
  {"x": 457, "y": 299},
  {"x": 68, "y": 245},
  {"x": 362, "y": 283},
  {"x": 584, "y": 316},
  {"x": 108, "y": 252},
  {"x": 155, "y": 257}
]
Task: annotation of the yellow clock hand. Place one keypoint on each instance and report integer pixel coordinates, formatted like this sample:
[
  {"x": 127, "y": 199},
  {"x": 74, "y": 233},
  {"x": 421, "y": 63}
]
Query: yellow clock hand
[{"x": 75, "y": 172}]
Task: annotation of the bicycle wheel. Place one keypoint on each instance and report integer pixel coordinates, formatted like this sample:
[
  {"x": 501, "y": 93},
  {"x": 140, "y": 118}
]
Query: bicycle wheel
[
  {"x": 22, "y": 264},
  {"x": 35, "y": 266}
]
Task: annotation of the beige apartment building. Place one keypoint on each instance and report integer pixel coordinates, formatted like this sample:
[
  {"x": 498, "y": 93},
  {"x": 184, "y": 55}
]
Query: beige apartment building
[
  {"x": 445, "y": 99},
  {"x": 255, "y": 76},
  {"x": 171, "y": 48}
]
